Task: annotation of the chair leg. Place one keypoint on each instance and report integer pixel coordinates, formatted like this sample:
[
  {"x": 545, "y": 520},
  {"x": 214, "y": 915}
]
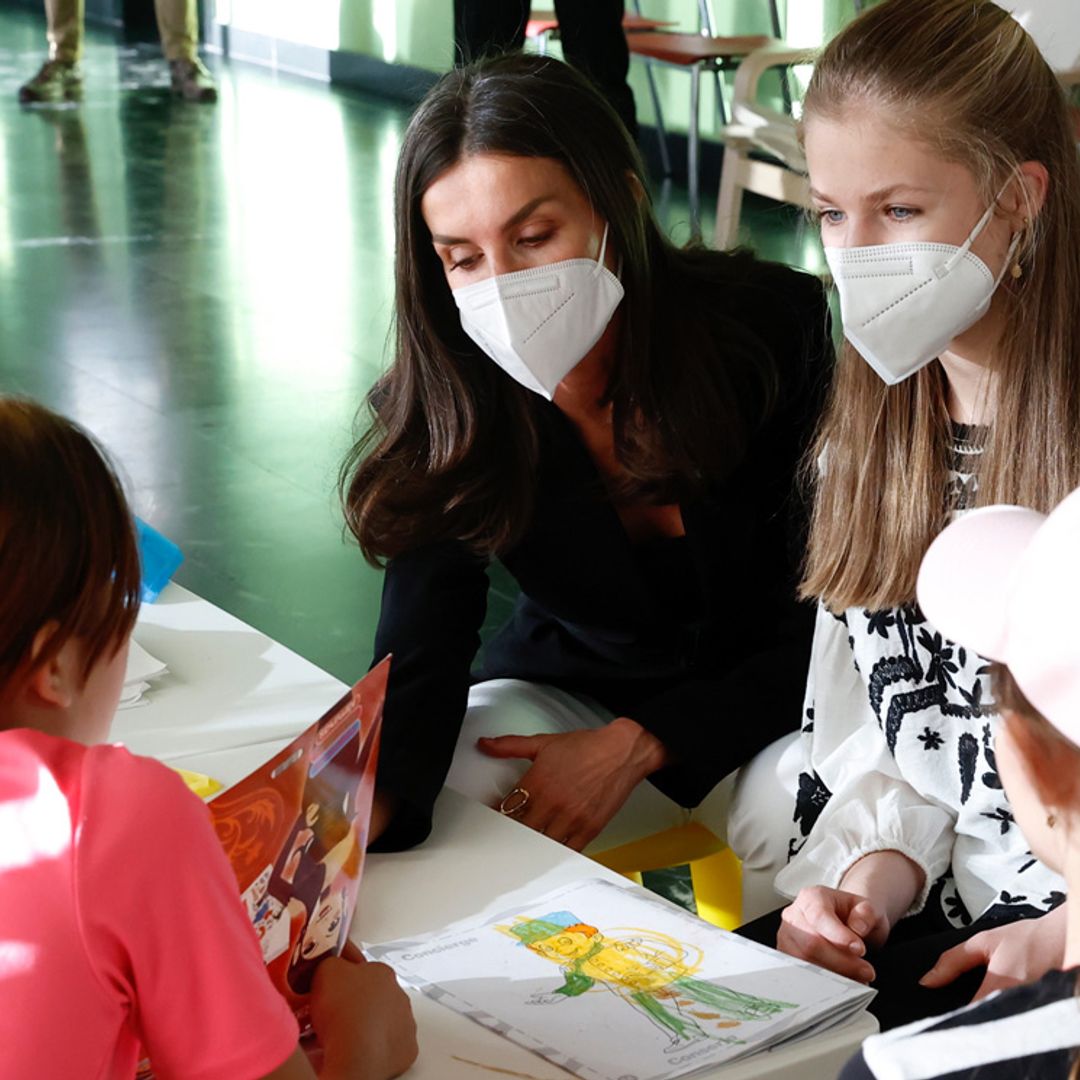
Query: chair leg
[
  {"x": 721, "y": 103},
  {"x": 785, "y": 72},
  {"x": 658, "y": 113},
  {"x": 706, "y": 22},
  {"x": 694, "y": 153},
  {"x": 717, "y": 883},
  {"x": 729, "y": 200}
]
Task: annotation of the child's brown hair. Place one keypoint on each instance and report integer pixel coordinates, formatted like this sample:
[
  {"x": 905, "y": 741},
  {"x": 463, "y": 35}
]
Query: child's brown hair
[
  {"x": 1054, "y": 758},
  {"x": 68, "y": 554}
]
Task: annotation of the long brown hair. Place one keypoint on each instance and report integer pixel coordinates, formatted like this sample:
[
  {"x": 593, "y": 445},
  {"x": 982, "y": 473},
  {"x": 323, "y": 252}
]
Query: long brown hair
[
  {"x": 67, "y": 543},
  {"x": 452, "y": 446},
  {"x": 965, "y": 77}
]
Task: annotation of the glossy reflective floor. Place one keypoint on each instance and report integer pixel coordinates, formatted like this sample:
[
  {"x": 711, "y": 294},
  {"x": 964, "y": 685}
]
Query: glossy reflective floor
[{"x": 208, "y": 290}]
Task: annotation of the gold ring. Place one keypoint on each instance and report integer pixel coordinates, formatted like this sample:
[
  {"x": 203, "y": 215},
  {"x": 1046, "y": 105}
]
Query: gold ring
[{"x": 517, "y": 807}]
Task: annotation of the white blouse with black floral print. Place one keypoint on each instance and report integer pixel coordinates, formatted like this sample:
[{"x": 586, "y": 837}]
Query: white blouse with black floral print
[{"x": 898, "y": 754}]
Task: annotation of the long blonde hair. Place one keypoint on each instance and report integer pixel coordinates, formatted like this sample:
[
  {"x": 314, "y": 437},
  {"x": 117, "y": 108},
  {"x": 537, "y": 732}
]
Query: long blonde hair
[{"x": 963, "y": 76}]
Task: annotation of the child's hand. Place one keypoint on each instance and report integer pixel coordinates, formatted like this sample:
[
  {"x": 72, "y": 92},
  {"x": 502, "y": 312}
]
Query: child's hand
[
  {"x": 1020, "y": 952},
  {"x": 363, "y": 1019},
  {"x": 832, "y": 928}
]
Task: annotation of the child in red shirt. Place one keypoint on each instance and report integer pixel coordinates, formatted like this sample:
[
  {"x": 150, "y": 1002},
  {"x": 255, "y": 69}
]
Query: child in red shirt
[{"x": 120, "y": 920}]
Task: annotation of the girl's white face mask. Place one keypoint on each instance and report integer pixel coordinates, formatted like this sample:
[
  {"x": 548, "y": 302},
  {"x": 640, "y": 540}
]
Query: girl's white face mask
[
  {"x": 539, "y": 324},
  {"x": 901, "y": 304}
]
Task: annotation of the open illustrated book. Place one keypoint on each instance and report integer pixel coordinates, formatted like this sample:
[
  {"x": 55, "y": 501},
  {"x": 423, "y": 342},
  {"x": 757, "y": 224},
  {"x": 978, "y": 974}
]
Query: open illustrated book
[
  {"x": 295, "y": 831},
  {"x": 615, "y": 983}
]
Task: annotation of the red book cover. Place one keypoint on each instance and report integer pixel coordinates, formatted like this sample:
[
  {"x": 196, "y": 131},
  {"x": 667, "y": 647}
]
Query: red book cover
[{"x": 295, "y": 831}]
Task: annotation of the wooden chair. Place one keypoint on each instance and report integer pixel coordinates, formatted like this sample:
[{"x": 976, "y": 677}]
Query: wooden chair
[
  {"x": 696, "y": 53},
  {"x": 544, "y": 25}
]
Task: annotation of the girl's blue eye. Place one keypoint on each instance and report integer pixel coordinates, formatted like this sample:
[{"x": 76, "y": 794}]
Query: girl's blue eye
[
  {"x": 831, "y": 217},
  {"x": 901, "y": 213}
]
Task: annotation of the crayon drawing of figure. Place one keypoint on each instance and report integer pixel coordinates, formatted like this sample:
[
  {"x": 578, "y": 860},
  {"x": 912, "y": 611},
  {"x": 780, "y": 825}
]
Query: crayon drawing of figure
[{"x": 650, "y": 971}]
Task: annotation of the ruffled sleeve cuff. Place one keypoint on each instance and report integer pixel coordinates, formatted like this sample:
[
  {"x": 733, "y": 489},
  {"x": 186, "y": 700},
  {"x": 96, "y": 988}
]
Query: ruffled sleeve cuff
[{"x": 885, "y": 815}]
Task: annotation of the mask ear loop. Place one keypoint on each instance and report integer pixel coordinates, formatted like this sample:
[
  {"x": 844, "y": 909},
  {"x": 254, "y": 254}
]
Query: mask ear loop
[
  {"x": 603, "y": 250},
  {"x": 964, "y": 248},
  {"x": 600, "y": 267}
]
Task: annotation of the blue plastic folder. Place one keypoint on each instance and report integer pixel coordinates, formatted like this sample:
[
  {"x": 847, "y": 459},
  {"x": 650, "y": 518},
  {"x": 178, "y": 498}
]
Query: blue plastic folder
[{"x": 160, "y": 558}]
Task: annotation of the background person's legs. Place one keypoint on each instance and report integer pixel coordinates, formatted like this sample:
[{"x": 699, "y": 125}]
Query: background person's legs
[
  {"x": 64, "y": 19},
  {"x": 178, "y": 25},
  {"x": 594, "y": 42},
  {"x": 760, "y": 822},
  {"x": 515, "y": 707},
  {"x": 60, "y": 77},
  {"x": 487, "y": 27}
]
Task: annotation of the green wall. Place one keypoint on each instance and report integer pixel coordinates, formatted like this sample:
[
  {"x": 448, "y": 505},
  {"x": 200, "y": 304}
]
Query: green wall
[{"x": 415, "y": 32}]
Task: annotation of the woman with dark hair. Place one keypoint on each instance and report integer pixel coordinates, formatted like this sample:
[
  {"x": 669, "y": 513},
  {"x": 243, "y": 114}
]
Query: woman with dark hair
[{"x": 618, "y": 422}]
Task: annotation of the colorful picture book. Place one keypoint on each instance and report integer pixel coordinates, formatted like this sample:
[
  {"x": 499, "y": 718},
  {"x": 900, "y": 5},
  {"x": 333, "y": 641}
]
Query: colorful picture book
[
  {"x": 615, "y": 983},
  {"x": 295, "y": 831}
]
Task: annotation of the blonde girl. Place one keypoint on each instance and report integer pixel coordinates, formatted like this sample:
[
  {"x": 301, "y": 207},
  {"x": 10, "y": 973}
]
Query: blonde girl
[{"x": 947, "y": 182}]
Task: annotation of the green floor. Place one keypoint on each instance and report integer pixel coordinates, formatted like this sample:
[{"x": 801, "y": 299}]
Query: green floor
[{"x": 208, "y": 290}]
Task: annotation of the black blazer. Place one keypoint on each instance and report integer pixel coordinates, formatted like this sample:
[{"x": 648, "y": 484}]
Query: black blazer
[{"x": 716, "y": 687}]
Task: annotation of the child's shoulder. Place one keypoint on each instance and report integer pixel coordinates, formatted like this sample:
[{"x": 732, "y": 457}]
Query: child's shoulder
[
  {"x": 28, "y": 756},
  {"x": 112, "y": 773},
  {"x": 84, "y": 775}
]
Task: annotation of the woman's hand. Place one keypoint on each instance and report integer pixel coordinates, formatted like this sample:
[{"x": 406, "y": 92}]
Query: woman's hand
[
  {"x": 578, "y": 781},
  {"x": 1018, "y": 953},
  {"x": 831, "y": 928}
]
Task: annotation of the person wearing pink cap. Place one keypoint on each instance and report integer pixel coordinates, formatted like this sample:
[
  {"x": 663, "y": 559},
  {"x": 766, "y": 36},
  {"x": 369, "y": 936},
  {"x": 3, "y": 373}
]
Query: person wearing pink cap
[
  {"x": 946, "y": 180},
  {"x": 1005, "y": 580}
]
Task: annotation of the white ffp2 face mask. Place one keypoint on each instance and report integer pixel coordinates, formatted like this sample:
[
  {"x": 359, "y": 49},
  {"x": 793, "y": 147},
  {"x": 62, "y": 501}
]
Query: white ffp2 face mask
[
  {"x": 538, "y": 324},
  {"x": 901, "y": 304}
]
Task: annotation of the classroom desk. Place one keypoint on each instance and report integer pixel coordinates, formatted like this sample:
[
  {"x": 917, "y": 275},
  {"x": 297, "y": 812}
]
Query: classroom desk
[{"x": 233, "y": 698}]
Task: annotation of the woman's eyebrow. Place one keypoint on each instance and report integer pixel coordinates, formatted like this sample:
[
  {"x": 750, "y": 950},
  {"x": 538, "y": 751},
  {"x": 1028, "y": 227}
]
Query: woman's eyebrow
[
  {"x": 526, "y": 210},
  {"x": 515, "y": 219},
  {"x": 880, "y": 195}
]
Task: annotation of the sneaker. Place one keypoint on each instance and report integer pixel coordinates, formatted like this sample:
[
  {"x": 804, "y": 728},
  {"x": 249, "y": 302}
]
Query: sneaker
[
  {"x": 58, "y": 80},
  {"x": 191, "y": 80}
]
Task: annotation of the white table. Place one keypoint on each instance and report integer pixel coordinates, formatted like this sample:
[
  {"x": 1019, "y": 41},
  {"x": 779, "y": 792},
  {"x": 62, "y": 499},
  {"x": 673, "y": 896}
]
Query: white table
[{"x": 233, "y": 698}]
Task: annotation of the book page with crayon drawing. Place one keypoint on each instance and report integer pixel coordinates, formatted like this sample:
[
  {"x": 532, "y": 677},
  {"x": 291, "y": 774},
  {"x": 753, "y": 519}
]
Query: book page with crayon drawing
[{"x": 614, "y": 983}]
